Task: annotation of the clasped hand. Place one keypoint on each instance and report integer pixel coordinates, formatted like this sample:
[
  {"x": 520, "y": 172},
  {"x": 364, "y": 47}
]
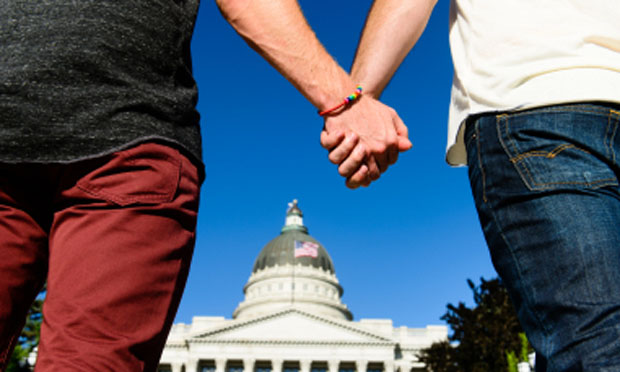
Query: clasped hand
[{"x": 364, "y": 140}]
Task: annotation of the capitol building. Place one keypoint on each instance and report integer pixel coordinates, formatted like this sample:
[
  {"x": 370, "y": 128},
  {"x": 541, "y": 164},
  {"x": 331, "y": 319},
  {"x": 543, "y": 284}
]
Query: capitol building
[{"x": 293, "y": 320}]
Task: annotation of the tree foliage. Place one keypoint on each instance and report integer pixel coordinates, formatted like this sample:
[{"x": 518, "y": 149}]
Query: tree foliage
[
  {"x": 482, "y": 336},
  {"x": 29, "y": 337}
]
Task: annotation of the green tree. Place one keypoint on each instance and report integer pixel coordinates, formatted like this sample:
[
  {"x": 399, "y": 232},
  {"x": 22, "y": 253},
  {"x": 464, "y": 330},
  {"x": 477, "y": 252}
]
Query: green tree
[
  {"x": 29, "y": 337},
  {"x": 482, "y": 336}
]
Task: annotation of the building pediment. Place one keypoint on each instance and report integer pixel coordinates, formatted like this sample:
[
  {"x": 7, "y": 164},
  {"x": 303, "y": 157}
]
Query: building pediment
[{"x": 291, "y": 325}]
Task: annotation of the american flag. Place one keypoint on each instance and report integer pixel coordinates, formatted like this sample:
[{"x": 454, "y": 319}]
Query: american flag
[{"x": 306, "y": 249}]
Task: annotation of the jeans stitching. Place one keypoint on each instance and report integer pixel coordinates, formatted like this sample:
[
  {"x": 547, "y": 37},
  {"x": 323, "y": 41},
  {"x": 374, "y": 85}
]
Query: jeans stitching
[
  {"x": 527, "y": 178},
  {"x": 528, "y": 298},
  {"x": 607, "y": 138},
  {"x": 482, "y": 174},
  {"x": 615, "y": 115},
  {"x": 601, "y": 111},
  {"x": 526, "y": 295},
  {"x": 546, "y": 154},
  {"x": 505, "y": 118}
]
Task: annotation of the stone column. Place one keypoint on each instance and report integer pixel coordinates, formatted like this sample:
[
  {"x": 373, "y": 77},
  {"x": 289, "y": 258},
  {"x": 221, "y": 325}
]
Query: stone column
[
  {"x": 248, "y": 365},
  {"x": 220, "y": 365},
  {"x": 388, "y": 366},
  {"x": 332, "y": 365},
  {"x": 361, "y": 365},
  {"x": 276, "y": 365},
  {"x": 191, "y": 365},
  {"x": 304, "y": 365},
  {"x": 176, "y": 367}
]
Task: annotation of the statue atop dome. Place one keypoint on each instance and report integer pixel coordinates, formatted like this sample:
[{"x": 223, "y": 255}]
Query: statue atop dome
[{"x": 294, "y": 218}]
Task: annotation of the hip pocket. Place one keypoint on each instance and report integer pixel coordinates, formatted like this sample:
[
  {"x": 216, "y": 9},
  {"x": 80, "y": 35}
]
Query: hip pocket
[
  {"x": 145, "y": 174},
  {"x": 557, "y": 149}
]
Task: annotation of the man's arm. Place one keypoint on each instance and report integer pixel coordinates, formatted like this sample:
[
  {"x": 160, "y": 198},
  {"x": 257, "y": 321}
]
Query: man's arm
[
  {"x": 278, "y": 31},
  {"x": 392, "y": 29}
]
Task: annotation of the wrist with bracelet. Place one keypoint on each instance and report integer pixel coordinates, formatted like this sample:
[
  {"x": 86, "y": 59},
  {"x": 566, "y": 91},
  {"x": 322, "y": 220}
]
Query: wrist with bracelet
[{"x": 345, "y": 102}]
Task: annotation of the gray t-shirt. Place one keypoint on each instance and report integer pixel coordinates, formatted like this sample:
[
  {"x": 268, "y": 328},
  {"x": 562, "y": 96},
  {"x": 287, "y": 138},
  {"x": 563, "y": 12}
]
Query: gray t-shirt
[{"x": 82, "y": 78}]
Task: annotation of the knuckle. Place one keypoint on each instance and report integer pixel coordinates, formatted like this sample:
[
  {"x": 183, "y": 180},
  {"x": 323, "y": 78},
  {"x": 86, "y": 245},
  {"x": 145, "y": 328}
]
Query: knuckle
[
  {"x": 356, "y": 180},
  {"x": 343, "y": 170},
  {"x": 380, "y": 148},
  {"x": 334, "y": 159},
  {"x": 358, "y": 155}
]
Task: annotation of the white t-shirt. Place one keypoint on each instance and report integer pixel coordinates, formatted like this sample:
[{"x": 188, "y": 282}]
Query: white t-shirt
[{"x": 517, "y": 54}]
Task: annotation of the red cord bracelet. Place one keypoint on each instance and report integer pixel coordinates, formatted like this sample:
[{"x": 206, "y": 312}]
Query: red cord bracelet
[{"x": 355, "y": 95}]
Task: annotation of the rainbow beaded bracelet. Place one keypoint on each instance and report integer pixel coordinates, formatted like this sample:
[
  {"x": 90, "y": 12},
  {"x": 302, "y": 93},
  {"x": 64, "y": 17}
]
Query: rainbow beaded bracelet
[{"x": 348, "y": 99}]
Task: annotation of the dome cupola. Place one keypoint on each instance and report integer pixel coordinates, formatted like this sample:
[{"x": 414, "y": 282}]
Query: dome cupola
[
  {"x": 293, "y": 270},
  {"x": 294, "y": 246}
]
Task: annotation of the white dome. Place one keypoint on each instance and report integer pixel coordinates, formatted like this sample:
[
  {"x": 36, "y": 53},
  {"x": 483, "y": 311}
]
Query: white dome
[{"x": 293, "y": 270}]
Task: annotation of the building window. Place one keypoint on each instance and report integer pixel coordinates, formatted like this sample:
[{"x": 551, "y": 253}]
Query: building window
[
  {"x": 164, "y": 368},
  {"x": 318, "y": 367},
  {"x": 234, "y": 366},
  {"x": 290, "y": 367},
  {"x": 374, "y": 367},
  {"x": 347, "y": 367},
  {"x": 206, "y": 366},
  {"x": 262, "y": 366}
]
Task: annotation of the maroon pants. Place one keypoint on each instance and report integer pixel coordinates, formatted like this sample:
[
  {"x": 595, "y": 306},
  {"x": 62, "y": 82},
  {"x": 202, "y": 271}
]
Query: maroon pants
[{"x": 113, "y": 237}]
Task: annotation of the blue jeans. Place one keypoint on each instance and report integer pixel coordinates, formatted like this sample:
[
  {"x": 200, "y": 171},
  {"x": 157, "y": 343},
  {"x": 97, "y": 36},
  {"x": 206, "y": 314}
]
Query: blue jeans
[{"x": 545, "y": 183}]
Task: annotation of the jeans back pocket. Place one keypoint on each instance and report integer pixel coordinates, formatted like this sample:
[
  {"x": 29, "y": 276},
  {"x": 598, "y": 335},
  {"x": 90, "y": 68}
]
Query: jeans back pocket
[{"x": 560, "y": 148}]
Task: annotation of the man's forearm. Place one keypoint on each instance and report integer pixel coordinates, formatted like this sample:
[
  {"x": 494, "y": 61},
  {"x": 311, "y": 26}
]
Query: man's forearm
[
  {"x": 278, "y": 31},
  {"x": 392, "y": 29}
]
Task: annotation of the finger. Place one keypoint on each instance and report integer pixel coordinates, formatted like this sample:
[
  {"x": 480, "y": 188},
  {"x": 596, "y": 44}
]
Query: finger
[
  {"x": 331, "y": 140},
  {"x": 342, "y": 151},
  {"x": 404, "y": 144},
  {"x": 359, "y": 178},
  {"x": 392, "y": 155},
  {"x": 366, "y": 182},
  {"x": 374, "y": 170},
  {"x": 402, "y": 131},
  {"x": 353, "y": 161},
  {"x": 380, "y": 160}
]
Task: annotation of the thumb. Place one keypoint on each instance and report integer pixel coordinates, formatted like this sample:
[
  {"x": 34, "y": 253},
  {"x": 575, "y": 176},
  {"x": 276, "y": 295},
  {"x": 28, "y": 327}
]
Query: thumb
[
  {"x": 331, "y": 140},
  {"x": 404, "y": 143}
]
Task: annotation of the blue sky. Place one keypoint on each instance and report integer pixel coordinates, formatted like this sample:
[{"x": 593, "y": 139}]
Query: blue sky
[{"x": 402, "y": 248}]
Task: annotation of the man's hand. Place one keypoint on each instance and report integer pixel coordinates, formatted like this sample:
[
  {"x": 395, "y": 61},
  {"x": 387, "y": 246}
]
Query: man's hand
[{"x": 364, "y": 140}]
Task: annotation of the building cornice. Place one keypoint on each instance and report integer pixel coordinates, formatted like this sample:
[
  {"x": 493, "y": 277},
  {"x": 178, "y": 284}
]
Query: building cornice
[
  {"x": 390, "y": 344},
  {"x": 341, "y": 324}
]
